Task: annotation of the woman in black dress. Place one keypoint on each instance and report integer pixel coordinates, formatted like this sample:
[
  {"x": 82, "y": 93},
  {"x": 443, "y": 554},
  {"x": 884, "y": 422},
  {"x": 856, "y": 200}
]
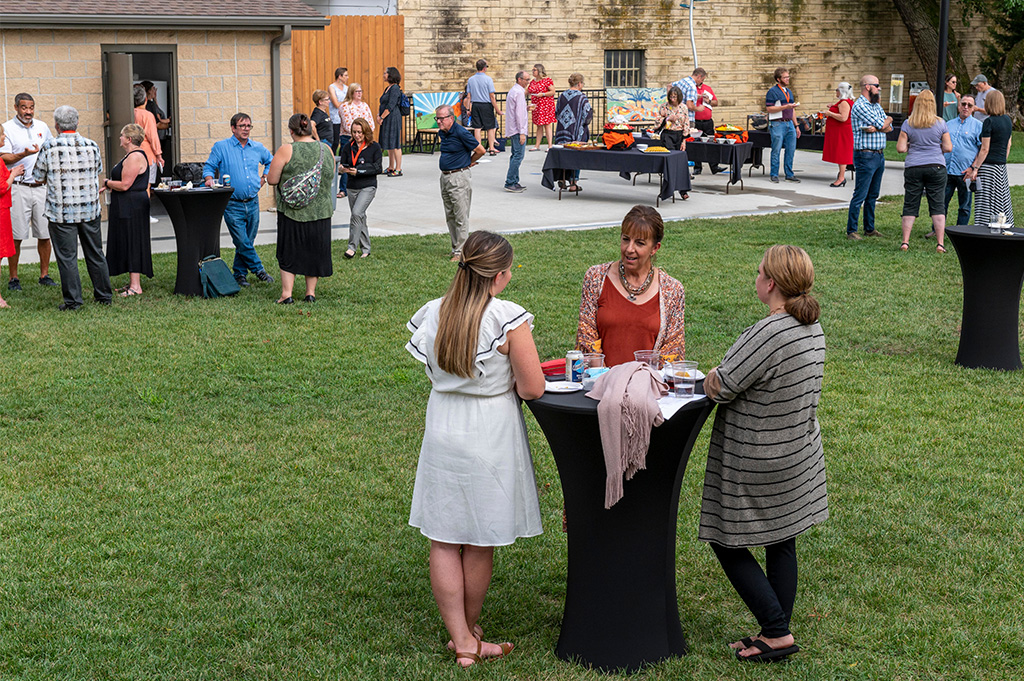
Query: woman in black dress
[
  {"x": 389, "y": 121},
  {"x": 128, "y": 245}
]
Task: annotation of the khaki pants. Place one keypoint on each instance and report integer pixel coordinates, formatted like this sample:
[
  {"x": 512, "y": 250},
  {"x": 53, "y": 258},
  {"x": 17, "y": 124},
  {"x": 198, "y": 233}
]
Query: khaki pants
[{"x": 457, "y": 193}]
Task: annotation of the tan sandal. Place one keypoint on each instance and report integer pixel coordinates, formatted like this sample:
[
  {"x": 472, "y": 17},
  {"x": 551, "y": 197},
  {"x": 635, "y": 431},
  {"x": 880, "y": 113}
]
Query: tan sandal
[
  {"x": 474, "y": 657},
  {"x": 506, "y": 650}
]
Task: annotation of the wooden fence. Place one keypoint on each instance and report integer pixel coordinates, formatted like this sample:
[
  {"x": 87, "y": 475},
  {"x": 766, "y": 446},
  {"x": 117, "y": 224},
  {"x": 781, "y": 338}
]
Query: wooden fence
[{"x": 365, "y": 45}]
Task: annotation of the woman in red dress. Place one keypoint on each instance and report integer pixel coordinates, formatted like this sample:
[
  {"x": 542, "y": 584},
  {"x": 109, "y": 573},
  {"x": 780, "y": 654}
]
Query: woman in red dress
[
  {"x": 6, "y": 235},
  {"x": 839, "y": 133},
  {"x": 542, "y": 97}
]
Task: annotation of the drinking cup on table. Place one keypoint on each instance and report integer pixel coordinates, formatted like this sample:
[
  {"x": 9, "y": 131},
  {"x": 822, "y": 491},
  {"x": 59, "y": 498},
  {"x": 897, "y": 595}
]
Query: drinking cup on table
[
  {"x": 683, "y": 378},
  {"x": 592, "y": 361},
  {"x": 650, "y": 357}
]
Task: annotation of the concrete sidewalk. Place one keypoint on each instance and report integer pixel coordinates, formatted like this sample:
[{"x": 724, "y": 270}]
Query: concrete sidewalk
[{"x": 411, "y": 204}]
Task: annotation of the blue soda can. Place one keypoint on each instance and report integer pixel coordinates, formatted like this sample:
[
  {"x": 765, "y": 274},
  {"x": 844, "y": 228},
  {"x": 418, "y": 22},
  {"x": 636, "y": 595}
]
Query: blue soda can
[{"x": 225, "y": 180}]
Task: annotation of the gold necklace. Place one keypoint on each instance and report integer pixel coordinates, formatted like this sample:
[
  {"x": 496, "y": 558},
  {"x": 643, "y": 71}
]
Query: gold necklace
[{"x": 631, "y": 291}]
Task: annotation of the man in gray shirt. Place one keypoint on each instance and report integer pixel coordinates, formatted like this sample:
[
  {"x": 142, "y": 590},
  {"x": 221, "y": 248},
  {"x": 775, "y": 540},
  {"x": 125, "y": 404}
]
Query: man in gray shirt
[
  {"x": 980, "y": 84},
  {"x": 483, "y": 106}
]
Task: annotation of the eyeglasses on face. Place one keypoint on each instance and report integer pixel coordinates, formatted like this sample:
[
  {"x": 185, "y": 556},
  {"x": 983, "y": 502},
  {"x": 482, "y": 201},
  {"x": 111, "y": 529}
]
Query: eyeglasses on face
[
  {"x": 871, "y": 84},
  {"x": 966, "y": 104},
  {"x": 244, "y": 125},
  {"x": 441, "y": 118}
]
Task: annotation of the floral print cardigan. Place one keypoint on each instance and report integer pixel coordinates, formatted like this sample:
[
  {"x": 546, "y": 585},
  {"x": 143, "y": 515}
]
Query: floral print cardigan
[{"x": 672, "y": 301}]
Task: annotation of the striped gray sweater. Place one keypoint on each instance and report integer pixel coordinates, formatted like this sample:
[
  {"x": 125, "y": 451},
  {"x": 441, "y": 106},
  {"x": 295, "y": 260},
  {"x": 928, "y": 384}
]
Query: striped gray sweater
[{"x": 765, "y": 479}]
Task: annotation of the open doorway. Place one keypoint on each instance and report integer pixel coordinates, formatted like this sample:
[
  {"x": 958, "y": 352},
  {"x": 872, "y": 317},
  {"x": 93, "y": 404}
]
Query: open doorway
[{"x": 123, "y": 67}]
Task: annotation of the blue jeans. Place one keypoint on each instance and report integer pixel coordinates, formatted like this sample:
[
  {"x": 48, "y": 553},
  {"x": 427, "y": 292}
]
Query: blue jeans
[
  {"x": 869, "y": 168},
  {"x": 963, "y": 193},
  {"x": 243, "y": 220},
  {"x": 343, "y": 177},
  {"x": 783, "y": 135},
  {"x": 518, "y": 151}
]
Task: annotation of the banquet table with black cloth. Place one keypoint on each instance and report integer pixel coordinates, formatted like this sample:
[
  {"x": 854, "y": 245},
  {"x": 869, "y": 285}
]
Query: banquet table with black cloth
[
  {"x": 672, "y": 166},
  {"x": 993, "y": 272},
  {"x": 621, "y": 610},
  {"x": 732, "y": 156},
  {"x": 762, "y": 139},
  {"x": 196, "y": 215}
]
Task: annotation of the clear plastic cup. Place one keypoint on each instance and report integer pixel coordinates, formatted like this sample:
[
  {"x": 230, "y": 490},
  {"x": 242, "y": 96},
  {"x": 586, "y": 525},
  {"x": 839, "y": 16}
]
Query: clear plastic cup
[
  {"x": 682, "y": 378},
  {"x": 650, "y": 357}
]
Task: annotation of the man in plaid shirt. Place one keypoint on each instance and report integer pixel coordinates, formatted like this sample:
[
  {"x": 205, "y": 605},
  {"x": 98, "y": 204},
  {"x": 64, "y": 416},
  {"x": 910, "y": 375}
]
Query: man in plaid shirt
[
  {"x": 70, "y": 165},
  {"x": 869, "y": 127}
]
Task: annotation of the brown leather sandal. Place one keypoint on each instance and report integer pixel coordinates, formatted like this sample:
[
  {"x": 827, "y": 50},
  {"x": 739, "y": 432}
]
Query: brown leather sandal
[
  {"x": 475, "y": 657},
  {"x": 506, "y": 649}
]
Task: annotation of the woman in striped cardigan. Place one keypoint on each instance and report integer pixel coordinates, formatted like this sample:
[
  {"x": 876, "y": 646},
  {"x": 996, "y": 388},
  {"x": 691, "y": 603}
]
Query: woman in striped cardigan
[{"x": 765, "y": 479}]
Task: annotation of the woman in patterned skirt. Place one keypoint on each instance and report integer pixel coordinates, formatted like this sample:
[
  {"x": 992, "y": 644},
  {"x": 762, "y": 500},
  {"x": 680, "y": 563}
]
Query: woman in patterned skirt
[{"x": 765, "y": 479}]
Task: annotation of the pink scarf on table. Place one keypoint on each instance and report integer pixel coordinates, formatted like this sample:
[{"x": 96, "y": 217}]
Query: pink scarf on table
[{"x": 628, "y": 409}]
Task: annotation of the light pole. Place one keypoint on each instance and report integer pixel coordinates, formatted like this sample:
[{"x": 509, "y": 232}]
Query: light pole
[
  {"x": 940, "y": 75},
  {"x": 692, "y": 43}
]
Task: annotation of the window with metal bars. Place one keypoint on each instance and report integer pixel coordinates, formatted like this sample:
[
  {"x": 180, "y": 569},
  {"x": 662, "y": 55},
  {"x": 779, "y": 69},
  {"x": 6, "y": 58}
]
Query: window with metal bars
[{"x": 623, "y": 68}]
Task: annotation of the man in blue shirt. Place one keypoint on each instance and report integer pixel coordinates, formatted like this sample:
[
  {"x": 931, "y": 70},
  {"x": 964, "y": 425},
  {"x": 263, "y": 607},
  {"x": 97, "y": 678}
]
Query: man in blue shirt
[
  {"x": 459, "y": 151},
  {"x": 780, "y": 103},
  {"x": 965, "y": 131},
  {"x": 869, "y": 127},
  {"x": 241, "y": 157}
]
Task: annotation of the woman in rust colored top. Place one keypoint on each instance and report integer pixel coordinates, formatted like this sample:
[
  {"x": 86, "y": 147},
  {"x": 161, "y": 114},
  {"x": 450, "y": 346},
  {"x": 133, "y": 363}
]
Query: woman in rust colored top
[{"x": 629, "y": 304}]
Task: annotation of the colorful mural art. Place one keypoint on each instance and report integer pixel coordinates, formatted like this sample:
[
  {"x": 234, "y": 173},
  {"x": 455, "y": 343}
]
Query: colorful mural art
[
  {"x": 423, "y": 105},
  {"x": 635, "y": 103}
]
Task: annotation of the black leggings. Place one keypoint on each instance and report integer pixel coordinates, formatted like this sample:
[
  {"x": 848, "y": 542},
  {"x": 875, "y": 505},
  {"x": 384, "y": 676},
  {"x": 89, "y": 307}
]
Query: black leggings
[{"x": 769, "y": 597}]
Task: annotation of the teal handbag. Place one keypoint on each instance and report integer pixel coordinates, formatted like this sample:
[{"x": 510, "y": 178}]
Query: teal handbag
[{"x": 216, "y": 278}]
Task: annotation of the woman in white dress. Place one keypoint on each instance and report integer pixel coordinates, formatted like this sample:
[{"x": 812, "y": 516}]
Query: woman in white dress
[{"x": 474, "y": 482}]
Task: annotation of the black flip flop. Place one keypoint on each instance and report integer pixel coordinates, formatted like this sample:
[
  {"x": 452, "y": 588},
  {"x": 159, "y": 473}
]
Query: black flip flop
[{"x": 767, "y": 654}]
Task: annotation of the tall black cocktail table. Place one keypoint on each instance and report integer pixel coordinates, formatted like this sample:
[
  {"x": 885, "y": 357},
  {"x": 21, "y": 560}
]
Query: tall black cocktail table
[
  {"x": 196, "y": 215},
  {"x": 621, "y": 611},
  {"x": 993, "y": 270}
]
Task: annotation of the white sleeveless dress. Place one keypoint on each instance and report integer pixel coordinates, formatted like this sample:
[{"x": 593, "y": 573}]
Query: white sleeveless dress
[{"x": 474, "y": 481}]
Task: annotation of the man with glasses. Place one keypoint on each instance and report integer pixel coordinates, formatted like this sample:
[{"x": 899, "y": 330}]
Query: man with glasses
[
  {"x": 780, "y": 103},
  {"x": 241, "y": 157},
  {"x": 965, "y": 131},
  {"x": 869, "y": 127},
  {"x": 460, "y": 150}
]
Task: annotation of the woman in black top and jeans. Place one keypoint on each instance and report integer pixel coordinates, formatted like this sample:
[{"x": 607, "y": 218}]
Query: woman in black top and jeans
[
  {"x": 361, "y": 160},
  {"x": 992, "y": 196},
  {"x": 321, "y": 118}
]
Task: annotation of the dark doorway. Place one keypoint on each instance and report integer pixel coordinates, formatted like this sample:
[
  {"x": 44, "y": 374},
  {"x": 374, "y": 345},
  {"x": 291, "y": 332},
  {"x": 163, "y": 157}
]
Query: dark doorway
[{"x": 123, "y": 67}]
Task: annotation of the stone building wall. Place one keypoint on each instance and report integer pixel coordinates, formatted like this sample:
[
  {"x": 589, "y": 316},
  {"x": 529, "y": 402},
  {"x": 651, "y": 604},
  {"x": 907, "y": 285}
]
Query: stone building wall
[
  {"x": 219, "y": 73},
  {"x": 739, "y": 42}
]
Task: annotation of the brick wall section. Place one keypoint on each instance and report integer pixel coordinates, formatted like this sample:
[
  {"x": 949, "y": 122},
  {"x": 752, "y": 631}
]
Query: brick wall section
[
  {"x": 739, "y": 42},
  {"x": 219, "y": 73}
]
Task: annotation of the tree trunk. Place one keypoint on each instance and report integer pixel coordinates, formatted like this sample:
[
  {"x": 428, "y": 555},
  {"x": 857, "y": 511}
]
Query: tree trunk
[
  {"x": 1011, "y": 73},
  {"x": 921, "y": 17}
]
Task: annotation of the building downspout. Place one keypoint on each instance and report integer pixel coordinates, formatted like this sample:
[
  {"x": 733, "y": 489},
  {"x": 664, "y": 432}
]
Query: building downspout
[{"x": 275, "y": 83}]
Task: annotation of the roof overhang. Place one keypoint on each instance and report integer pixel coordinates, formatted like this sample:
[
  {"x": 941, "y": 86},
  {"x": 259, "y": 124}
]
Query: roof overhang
[{"x": 167, "y": 22}]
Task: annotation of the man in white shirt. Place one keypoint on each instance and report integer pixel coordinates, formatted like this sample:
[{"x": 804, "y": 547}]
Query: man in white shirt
[{"x": 25, "y": 135}]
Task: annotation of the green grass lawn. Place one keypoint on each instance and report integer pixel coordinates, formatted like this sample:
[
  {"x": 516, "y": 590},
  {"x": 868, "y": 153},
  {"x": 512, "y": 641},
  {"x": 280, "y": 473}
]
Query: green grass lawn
[
  {"x": 219, "y": 489},
  {"x": 1016, "y": 150}
]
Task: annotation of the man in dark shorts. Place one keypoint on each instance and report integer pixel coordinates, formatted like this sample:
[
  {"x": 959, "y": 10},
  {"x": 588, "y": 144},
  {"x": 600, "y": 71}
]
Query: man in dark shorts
[{"x": 483, "y": 106}]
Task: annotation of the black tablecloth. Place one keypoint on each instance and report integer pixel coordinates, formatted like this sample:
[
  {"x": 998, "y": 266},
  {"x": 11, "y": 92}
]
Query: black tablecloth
[
  {"x": 621, "y": 610},
  {"x": 762, "y": 139},
  {"x": 993, "y": 271},
  {"x": 731, "y": 155},
  {"x": 196, "y": 215},
  {"x": 673, "y": 166}
]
